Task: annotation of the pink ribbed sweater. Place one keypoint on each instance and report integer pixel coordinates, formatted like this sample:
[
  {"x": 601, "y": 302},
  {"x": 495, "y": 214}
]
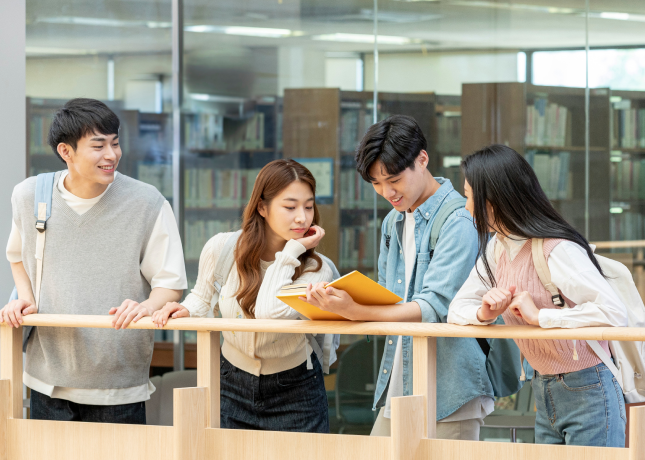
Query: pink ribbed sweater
[{"x": 545, "y": 356}]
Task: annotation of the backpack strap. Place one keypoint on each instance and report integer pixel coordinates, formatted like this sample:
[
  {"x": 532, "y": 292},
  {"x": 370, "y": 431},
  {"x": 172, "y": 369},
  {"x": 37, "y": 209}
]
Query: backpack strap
[
  {"x": 446, "y": 210},
  {"x": 542, "y": 269},
  {"x": 42, "y": 212},
  {"x": 543, "y": 272},
  {"x": 224, "y": 264}
]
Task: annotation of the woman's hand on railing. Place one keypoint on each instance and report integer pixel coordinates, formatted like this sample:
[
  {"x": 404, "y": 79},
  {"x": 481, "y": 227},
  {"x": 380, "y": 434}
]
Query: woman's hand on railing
[
  {"x": 13, "y": 312},
  {"x": 170, "y": 310},
  {"x": 523, "y": 307},
  {"x": 494, "y": 303}
]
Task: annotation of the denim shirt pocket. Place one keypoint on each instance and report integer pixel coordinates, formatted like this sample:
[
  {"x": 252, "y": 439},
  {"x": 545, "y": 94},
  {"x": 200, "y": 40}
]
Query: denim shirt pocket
[{"x": 423, "y": 261}]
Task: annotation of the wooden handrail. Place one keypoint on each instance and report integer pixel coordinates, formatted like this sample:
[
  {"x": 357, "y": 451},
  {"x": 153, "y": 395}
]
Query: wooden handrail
[
  {"x": 619, "y": 244},
  {"x": 348, "y": 327},
  {"x": 195, "y": 432}
]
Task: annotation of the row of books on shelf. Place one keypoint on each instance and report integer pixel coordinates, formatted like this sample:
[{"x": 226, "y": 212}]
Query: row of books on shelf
[
  {"x": 627, "y": 178},
  {"x": 629, "y": 128},
  {"x": 448, "y": 134},
  {"x": 204, "y": 131},
  {"x": 357, "y": 245},
  {"x": 353, "y": 124},
  {"x": 553, "y": 170},
  {"x": 547, "y": 124},
  {"x": 208, "y": 131},
  {"x": 198, "y": 232},
  {"x": 218, "y": 188},
  {"x": 158, "y": 175},
  {"x": 39, "y": 126},
  {"x": 355, "y": 193},
  {"x": 627, "y": 226}
]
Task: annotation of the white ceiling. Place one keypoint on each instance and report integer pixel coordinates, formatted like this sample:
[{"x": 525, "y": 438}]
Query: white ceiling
[{"x": 56, "y": 27}]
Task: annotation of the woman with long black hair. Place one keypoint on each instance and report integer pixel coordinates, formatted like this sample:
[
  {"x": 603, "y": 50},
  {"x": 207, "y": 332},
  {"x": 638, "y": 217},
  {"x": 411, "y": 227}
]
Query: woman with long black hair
[{"x": 578, "y": 400}]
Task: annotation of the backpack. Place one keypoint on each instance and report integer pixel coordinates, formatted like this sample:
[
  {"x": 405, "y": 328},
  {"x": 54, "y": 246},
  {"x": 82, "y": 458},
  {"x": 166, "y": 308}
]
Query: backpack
[
  {"x": 629, "y": 357},
  {"x": 42, "y": 212},
  {"x": 503, "y": 360},
  {"x": 324, "y": 345}
]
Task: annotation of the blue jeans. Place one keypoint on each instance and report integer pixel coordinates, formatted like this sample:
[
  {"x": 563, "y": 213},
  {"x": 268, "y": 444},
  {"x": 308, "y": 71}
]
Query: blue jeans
[
  {"x": 583, "y": 408},
  {"x": 45, "y": 408},
  {"x": 293, "y": 400}
]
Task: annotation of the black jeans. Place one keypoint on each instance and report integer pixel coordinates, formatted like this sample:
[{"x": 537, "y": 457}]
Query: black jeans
[
  {"x": 293, "y": 400},
  {"x": 45, "y": 408}
]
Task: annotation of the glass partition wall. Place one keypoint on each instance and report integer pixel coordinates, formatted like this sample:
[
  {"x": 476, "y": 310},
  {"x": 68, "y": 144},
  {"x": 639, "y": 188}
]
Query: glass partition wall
[{"x": 560, "y": 82}]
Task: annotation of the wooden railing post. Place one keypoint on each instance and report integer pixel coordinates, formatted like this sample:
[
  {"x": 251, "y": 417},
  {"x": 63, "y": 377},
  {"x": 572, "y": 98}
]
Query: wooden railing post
[
  {"x": 189, "y": 422},
  {"x": 5, "y": 415},
  {"x": 407, "y": 426},
  {"x": 11, "y": 365},
  {"x": 637, "y": 433},
  {"x": 424, "y": 381},
  {"x": 208, "y": 373}
]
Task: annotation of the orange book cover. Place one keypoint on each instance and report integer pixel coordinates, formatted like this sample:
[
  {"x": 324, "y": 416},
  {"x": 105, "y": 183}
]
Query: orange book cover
[{"x": 363, "y": 290}]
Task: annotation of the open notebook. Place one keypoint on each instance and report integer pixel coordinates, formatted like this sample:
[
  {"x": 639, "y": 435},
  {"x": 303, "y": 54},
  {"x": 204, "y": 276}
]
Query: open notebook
[{"x": 362, "y": 289}]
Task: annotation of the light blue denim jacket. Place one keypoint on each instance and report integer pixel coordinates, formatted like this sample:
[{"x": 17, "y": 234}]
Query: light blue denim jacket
[{"x": 461, "y": 365}]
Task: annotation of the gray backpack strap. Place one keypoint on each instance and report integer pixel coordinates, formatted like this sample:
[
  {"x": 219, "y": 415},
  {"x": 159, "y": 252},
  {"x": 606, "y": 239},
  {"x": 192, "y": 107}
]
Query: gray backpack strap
[
  {"x": 224, "y": 264},
  {"x": 445, "y": 211},
  {"x": 325, "y": 346}
]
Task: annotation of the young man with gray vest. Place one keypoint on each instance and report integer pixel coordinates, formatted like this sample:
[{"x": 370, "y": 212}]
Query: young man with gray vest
[
  {"x": 428, "y": 248},
  {"x": 108, "y": 238}
]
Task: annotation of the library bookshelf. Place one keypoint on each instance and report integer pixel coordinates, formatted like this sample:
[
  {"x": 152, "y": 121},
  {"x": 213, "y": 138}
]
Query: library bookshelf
[
  {"x": 547, "y": 125},
  {"x": 195, "y": 433},
  {"x": 627, "y": 165}
]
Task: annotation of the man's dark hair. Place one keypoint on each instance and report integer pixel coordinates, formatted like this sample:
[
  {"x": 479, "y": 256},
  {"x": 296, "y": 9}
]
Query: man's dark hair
[
  {"x": 396, "y": 142},
  {"x": 78, "y": 118}
]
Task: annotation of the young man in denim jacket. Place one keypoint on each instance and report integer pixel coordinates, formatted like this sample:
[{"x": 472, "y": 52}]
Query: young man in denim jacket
[{"x": 393, "y": 157}]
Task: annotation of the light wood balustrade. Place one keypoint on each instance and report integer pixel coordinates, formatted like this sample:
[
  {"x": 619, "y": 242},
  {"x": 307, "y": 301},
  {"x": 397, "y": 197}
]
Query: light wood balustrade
[{"x": 195, "y": 434}]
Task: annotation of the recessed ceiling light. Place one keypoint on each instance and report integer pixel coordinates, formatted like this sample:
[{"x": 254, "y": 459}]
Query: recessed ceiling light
[
  {"x": 365, "y": 38},
  {"x": 104, "y": 22},
  {"x": 39, "y": 50},
  {"x": 244, "y": 31}
]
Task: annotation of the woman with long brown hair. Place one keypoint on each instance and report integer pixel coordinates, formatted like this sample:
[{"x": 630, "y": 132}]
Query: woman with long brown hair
[{"x": 265, "y": 380}]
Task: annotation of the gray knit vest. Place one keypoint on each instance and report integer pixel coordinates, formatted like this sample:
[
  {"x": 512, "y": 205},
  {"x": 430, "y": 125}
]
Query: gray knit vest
[{"x": 91, "y": 264}]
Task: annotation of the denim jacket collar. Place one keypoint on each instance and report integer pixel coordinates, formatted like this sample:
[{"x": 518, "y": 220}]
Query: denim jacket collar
[{"x": 430, "y": 206}]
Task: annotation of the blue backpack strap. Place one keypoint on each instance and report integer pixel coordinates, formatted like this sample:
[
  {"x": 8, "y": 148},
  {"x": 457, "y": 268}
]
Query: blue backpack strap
[
  {"x": 43, "y": 199},
  {"x": 442, "y": 216},
  {"x": 42, "y": 211}
]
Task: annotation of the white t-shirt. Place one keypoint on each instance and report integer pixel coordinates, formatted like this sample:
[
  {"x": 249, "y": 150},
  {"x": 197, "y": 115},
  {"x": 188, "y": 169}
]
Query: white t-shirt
[
  {"x": 479, "y": 407},
  {"x": 162, "y": 266}
]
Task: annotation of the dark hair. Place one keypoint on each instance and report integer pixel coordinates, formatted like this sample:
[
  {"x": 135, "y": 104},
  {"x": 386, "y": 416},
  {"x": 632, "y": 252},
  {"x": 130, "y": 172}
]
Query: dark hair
[
  {"x": 396, "y": 141},
  {"x": 500, "y": 176},
  {"x": 78, "y": 118}
]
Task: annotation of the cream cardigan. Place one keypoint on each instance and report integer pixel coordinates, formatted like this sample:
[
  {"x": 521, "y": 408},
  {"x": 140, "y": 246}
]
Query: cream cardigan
[{"x": 256, "y": 353}]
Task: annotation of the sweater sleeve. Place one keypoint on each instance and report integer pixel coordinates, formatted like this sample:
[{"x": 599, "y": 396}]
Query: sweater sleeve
[
  {"x": 280, "y": 274},
  {"x": 463, "y": 308},
  {"x": 198, "y": 302}
]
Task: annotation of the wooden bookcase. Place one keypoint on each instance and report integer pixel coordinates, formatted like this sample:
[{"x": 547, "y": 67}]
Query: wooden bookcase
[{"x": 505, "y": 113}]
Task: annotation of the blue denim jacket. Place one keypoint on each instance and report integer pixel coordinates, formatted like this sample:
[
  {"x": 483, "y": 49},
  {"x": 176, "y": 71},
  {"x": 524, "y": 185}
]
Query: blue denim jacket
[{"x": 461, "y": 365}]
